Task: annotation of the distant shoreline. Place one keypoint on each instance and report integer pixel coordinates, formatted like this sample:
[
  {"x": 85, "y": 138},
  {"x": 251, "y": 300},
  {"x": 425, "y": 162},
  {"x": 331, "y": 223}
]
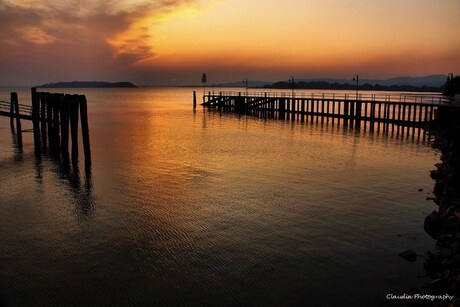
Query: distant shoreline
[{"x": 322, "y": 85}]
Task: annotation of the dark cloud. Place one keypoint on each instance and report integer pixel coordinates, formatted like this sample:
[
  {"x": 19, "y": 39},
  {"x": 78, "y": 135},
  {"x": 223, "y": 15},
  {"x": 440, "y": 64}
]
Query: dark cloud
[{"x": 73, "y": 39}]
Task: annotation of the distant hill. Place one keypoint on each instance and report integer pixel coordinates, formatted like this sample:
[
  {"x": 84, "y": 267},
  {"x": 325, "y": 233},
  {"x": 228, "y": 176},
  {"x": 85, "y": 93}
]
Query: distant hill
[
  {"x": 87, "y": 84},
  {"x": 429, "y": 81},
  {"x": 323, "y": 85},
  {"x": 432, "y": 82}
]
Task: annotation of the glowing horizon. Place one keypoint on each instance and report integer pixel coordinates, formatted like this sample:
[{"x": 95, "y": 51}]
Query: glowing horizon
[{"x": 155, "y": 42}]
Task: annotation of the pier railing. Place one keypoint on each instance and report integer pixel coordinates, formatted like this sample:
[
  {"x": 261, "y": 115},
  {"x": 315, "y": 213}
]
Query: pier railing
[
  {"x": 402, "y": 109},
  {"x": 402, "y": 97},
  {"x": 5, "y": 106}
]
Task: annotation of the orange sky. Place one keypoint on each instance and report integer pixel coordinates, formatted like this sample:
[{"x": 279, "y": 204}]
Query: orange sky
[{"x": 167, "y": 42}]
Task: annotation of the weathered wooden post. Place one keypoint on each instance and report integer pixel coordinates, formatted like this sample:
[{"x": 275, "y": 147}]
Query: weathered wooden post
[
  {"x": 49, "y": 117},
  {"x": 345, "y": 112},
  {"x": 403, "y": 117},
  {"x": 194, "y": 99},
  {"x": 43, "y": 123},
  {"x": 15, "y": 102},
  {"x": 358, "y": 113},
  {"x": 282, "y": 108},
  {"x": 74, "y": 126},
  {"x": 36, "y": 119},
  {"x": 302, "y": 110},
  {"x": 85, "y": 129},
  {"x": 420, "y": 114},
  {"x": 16, "y": 110},
  {"x": 64, "y": 113},
  {"x": 219, "y": 101},
  {"x": 13, "y": 98},
  {"x": 56, "y": 129},
  {"x": 409, "y": 113},
  {"x": 352, "y": 104}
]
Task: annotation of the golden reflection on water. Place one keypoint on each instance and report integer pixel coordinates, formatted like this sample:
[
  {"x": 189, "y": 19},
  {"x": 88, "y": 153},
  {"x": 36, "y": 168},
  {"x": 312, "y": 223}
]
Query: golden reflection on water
[{"x": 185, "y": 202}]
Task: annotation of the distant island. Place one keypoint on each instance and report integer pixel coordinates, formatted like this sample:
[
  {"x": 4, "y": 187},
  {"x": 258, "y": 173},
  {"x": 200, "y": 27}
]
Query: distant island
[{"x": 87, "y": 84}]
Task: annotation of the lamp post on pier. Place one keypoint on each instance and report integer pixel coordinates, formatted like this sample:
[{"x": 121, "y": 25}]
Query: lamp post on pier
[
  {"x": 356, "y": 78},
  {"x": 245, "y": 81},
  {"x": 451, "y": 77},
  {"x": 204, "y": 80},
  {"x": 291, "y": 80}
]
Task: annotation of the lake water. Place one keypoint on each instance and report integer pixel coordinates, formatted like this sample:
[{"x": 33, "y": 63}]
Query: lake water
[{"x": 184, "y": 207}]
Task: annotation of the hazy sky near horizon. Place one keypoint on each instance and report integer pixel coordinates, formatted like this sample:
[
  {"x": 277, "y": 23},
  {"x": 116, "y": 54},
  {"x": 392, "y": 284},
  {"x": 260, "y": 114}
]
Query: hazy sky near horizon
[{"x": 167, "y": 42}]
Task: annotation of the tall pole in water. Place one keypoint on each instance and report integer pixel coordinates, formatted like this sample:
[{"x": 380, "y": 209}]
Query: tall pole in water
[
  {"x": 291, "y": 80},
  {"x": 204, "y": 79},
  {"x": 356, "y": 78},
  {"x": 451, "y": 77}
]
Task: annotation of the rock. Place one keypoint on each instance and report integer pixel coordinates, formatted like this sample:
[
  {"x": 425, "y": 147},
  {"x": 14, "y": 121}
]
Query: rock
[
  {"x": 420, "y": 190},
  {"x": 409, "y": 255},
  {"x": 432, "y": 267},
  {"x": 433, "y": 224},
  {"x": 445, "y": 240},
  {"x": 439, "y": 283}
]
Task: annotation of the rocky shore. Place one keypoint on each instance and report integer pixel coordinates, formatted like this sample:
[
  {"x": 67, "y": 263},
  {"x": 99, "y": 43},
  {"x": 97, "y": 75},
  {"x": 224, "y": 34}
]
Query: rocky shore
[{"x": 443, "y": 224}]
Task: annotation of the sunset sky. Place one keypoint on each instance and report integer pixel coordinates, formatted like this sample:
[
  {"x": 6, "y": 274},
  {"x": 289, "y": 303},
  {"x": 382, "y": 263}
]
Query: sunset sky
[{"x": 172, "y": 42}]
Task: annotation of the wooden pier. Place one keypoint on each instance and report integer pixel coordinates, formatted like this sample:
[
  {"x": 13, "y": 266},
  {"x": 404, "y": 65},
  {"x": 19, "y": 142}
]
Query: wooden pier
[
  {"x": 55, "y": 119},
  {"x": 405, "y": 110}
]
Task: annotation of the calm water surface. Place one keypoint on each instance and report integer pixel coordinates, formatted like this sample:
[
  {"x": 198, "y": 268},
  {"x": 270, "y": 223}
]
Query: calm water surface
[{"x": 201, "y": 208}]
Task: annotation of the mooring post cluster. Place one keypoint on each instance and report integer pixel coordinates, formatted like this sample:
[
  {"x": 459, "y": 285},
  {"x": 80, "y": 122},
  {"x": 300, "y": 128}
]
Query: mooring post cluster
[{"x": 56, "y": 113}]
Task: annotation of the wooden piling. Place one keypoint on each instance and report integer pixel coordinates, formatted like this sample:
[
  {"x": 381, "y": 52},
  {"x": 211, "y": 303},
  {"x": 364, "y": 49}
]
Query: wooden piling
[
  {"x": 36, "y": 119},
  {"x": 358, "y": 113},
  {"x": 13, "y": 99},
  {"x": 73, "y": 114},
  {"x": 302, "y": 110},
  {"x": 282, "y": 108},
  {"x": 64, "y": 114},
  {"x": 49, "y": 116},
  {"x": 404, "y": 113},
  {"x": 194, "y": 99},
  {"x": 85, "y": 129},
  {"x": 15, "y": 104},
  {"x": 43, "y": 123},
  {"x": 56, "y": 126},
  {"x": 345, "y": 112}
]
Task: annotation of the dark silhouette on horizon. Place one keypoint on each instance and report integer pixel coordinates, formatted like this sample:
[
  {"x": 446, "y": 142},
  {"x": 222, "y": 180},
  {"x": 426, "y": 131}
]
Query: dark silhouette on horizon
[
  {"x": 323, "y": 85},
  {"x": 452, "y": 86}
]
